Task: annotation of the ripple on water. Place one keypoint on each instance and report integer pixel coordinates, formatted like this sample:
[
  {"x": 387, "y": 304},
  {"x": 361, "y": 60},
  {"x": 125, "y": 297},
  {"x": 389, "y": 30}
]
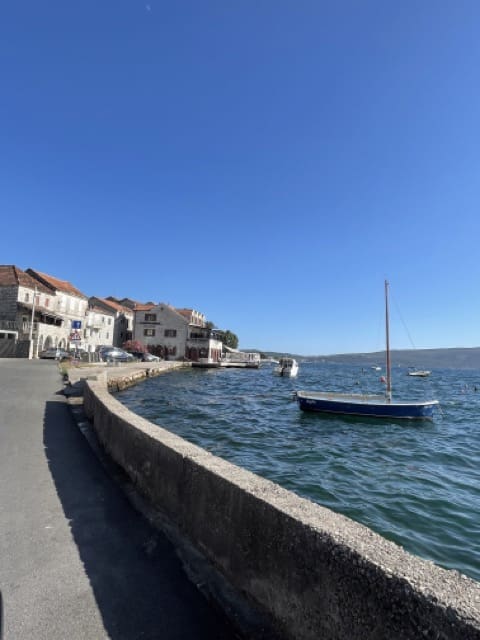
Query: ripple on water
[{"x": 417, "y": 484}]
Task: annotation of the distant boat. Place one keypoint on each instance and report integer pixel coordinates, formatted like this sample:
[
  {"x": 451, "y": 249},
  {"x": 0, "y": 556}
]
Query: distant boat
[
  {"x": 377, "y": 368},
  {"x": 373, "y": 406},
  {"x": 419, "y": 374},
  {"x": 287, "y": 367}
]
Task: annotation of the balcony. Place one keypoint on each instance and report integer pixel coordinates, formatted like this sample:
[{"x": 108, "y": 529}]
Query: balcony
[
  {"x": 205, "y": 335},
  {"x": 9, "y": 325},
  {"x": 95, "y": 324}
]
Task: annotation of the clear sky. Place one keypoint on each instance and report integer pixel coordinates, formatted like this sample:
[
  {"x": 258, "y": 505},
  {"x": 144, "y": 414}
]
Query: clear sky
[{"x": 266, "y": 162}]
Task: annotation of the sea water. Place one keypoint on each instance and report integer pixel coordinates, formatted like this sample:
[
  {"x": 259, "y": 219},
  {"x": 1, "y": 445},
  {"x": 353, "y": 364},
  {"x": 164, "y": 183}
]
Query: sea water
[{"x": 414, "y": 482}]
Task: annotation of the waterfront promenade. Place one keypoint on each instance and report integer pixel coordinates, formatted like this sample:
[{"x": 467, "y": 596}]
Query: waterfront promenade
[{"x": 76, "y": 560}]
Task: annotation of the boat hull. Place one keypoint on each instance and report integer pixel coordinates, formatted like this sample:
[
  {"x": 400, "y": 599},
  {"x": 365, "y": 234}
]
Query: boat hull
[
  {"x": 284, "y": 372},
  {"x": 369, "y": 406}
]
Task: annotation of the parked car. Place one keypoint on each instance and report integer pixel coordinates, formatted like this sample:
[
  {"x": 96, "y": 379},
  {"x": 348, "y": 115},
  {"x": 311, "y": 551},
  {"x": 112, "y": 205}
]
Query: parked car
[
  {"x": 145, "y": 356},
  {"x": 115, "y": 355},
  {"x": 55, "y": 354}
]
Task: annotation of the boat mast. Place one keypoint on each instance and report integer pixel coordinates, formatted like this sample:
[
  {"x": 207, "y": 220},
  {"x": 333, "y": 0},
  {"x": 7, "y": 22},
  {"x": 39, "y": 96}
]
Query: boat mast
[{"x": 387, "y": 346}]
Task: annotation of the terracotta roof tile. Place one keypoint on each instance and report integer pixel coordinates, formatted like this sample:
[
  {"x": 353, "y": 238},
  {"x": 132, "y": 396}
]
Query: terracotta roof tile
[
  {"x": 10, "y": 275},
  {"x": 56, "y": 283},
  {"x": 185, "y": 312},
  {"x": 98, "y": 309},
  {"x": 144, "y": 307},
  {"x": 114, "y": 305}
]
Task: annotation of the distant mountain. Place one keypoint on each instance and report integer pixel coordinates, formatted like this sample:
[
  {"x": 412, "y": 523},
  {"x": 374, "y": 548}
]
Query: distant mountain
[{"x": 454, "y": 358}]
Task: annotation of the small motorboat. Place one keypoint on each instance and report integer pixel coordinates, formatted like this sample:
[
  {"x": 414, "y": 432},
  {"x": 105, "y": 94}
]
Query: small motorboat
[
  {"x": 287, "y": 367},
  {"x": 419, "y": 374}
]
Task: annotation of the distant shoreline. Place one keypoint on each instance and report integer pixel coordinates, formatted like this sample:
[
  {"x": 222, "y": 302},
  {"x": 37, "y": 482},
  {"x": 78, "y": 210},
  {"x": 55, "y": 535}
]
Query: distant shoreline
[{"x": 451, "y": 358}]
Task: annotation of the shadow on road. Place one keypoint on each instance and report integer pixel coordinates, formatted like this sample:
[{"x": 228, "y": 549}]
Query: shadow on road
[{"x": 137, "y": 580}]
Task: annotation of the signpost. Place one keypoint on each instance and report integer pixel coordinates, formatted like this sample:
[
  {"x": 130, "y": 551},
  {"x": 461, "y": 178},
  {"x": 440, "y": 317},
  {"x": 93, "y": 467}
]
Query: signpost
[{"x": 75, "y": 334}]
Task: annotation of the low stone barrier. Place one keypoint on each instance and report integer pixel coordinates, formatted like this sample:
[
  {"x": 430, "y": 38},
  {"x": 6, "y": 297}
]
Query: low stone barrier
[{"x": 315, "y": 573}]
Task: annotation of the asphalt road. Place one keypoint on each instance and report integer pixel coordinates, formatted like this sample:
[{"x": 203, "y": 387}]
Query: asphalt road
[{"x": 76, "y": 560}]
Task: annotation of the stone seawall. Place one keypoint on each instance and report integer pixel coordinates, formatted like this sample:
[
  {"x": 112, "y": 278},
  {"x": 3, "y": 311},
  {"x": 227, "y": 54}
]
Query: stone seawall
[{"x": 316, "y": 574}]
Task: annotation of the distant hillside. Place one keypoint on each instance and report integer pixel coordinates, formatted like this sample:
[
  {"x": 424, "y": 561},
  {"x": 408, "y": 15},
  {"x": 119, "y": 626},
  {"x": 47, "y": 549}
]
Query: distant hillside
[{"x": 421, "y": 358}]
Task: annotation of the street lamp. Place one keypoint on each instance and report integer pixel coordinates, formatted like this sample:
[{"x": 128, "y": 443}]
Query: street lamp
[{"x": 30, "y": 337}]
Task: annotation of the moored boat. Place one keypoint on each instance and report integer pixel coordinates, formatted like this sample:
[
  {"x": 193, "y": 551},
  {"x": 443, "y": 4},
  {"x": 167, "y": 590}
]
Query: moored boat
[
  {"x": 368, "y": 405},
  {"x": 419, "y": 374},
  {"x": 377, "y": 406}
]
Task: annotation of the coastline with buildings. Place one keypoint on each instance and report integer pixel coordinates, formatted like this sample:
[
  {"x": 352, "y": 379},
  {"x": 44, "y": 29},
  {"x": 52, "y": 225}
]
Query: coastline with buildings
[
  {"x": 39, "y": 311},
  {"x": 287, "y": 547}
]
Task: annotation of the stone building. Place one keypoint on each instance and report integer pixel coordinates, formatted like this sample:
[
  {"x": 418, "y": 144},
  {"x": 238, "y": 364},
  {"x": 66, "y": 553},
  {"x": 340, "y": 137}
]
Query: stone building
[
  {"x": 22, "y": 300},
  {"x": 37, "y": 310},
  {"x": 122, "y": 329},
  {"x": 176, "y": 334},
  {"x": 70, "y": 305}
]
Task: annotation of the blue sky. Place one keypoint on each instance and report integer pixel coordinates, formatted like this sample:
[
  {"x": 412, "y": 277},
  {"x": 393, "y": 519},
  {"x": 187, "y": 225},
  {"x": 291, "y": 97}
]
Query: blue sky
[{"x": 268, "y": 163}]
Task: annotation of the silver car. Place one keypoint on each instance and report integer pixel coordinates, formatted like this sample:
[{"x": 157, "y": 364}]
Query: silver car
[
  {"x": 54, "y": 354},
  {"x": 114, "y": 354}
]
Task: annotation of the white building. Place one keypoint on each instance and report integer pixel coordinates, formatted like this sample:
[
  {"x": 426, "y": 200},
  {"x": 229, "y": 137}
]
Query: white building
[
  {"x": 24, "y": 299},
  {"x": 70, "y": 305},
  {"x": 176, "y": 334},
  {"x": 99, "y": 327},
  {"x": 122, "y": 319}
]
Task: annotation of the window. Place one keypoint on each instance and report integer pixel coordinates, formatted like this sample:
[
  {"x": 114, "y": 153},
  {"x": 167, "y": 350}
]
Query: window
[
  {"x": 47, "y": 302},
  {"x": 149, "y": 332},
  {"x": 170, "y": 333},
  {"x": 150, "y": 317},
  {"x": 109, "y": 321},
  {"x": 27, "y": 297}
]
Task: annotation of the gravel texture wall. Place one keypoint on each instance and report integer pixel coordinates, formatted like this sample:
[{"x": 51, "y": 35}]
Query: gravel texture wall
[{"x": 316, "y": 574}]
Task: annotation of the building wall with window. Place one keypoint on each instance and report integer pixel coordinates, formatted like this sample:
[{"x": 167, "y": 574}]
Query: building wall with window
[
  {"x": 122, "y": 329},
  {"x": 70, "y": 304},
  {"x": 176, "y": 334},
  {"x": 23, "y": 299},
  {"x": 162, "y": 330},
  {"x": 99, "y": 327}
]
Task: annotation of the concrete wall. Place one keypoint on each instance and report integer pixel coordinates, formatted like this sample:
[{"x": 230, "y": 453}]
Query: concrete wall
[{"x": 317, "y": 574}]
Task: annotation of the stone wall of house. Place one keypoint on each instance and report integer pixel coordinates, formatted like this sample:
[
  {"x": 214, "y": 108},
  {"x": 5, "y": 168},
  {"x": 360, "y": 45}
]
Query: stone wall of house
[{"x": 8, "y": 303}]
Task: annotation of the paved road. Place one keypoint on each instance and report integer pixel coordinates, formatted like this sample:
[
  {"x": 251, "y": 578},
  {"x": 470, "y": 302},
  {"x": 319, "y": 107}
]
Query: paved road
[{"x": 76, "y": 561}]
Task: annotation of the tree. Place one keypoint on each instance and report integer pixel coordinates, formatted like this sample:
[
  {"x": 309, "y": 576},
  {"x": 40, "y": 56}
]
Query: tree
[{"x": 230, "y": 339}]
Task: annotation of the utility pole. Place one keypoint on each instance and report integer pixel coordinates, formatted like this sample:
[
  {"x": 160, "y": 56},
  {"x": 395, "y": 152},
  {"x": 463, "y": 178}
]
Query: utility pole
[{"x": 30, "y": 337}]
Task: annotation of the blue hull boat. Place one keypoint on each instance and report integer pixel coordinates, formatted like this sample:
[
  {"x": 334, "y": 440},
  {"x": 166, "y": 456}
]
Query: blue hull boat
[
  {"x": 364, "y": 405},
  {"x": 370, "y": 406}
]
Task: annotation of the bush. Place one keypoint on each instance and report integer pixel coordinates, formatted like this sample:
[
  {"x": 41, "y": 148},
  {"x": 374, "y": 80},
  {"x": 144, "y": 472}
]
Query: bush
[{"x": 134, "y": 345}]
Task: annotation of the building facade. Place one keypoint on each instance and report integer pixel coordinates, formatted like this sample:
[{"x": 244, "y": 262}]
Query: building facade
[
  {"x": 176, "y": 334},
  {"x": 122, "y": 329},
  {"x": 99, "y": 327},
  {"x": 70, "y": 305},
  {"x": 40, "y": 310},
  {"x": 28, "y": 318}
]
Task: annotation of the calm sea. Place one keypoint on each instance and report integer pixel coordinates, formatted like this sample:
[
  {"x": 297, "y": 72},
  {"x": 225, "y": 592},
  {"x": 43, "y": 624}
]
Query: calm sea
[{"x": 416, "y": 483}]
